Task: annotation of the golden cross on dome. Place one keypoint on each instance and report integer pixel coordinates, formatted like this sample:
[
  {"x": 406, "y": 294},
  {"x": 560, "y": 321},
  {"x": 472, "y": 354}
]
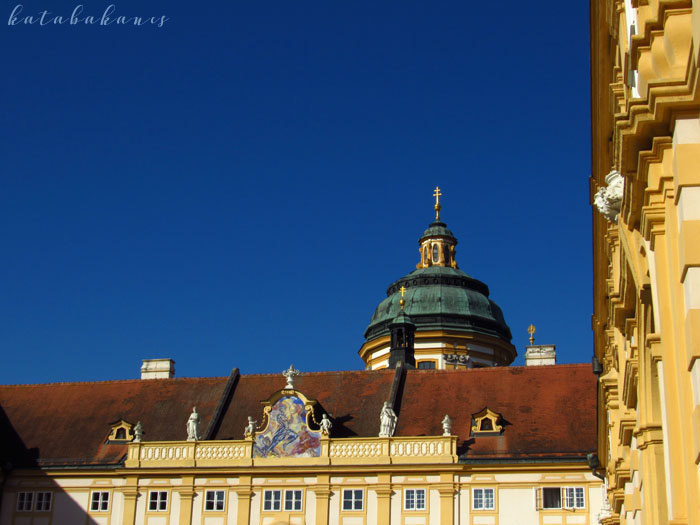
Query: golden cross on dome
[
  {"x": 531, "y": 331},
  {"x": 437, "y": 194},
  {"x": 402, "y": 302}
]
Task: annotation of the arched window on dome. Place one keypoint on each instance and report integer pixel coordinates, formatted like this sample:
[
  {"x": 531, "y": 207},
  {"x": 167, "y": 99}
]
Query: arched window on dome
[{"x": 436, "y": 253}]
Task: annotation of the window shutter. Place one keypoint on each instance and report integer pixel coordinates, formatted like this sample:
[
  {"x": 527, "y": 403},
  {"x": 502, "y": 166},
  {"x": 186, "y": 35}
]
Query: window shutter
[{"x": 538, "y": 498}]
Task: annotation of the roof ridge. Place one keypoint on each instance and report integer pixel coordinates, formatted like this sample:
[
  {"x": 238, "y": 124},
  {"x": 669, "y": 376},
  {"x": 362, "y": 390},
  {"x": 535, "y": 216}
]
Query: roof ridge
[{"x": 110, "y": 381}]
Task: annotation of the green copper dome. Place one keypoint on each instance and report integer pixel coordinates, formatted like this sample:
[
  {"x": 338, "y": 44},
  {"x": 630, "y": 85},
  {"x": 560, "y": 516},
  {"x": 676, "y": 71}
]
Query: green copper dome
[{"x": 441, "y": 298}]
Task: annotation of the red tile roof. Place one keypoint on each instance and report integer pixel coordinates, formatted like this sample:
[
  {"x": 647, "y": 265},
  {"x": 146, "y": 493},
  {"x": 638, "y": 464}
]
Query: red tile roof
[
  {"x": 68, "y": 423},
  {"x": 549, "y": 411}
]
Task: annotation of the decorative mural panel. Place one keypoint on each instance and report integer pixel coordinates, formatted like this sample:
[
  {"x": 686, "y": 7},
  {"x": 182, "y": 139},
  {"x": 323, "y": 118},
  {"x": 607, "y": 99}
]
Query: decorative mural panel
[{"x": 287, "y": 433}]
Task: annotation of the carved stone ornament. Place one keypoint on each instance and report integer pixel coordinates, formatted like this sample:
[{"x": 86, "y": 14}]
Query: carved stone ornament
[
  {"x": 446, "y": 425},
  {"x": 193, "y": 426},
  {"x": 455, "y": 359},
  {"x": 387, "y": 421},
  {"x": 290, "y": 374},
  {"x": 605, "y": 509},
  {"x": 608, "y": 200},
  {"x": 325, "y": 425}
]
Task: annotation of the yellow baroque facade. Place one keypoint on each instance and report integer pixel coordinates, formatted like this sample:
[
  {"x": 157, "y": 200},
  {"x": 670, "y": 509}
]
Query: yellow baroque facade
[{"x": 646, "y": 246}]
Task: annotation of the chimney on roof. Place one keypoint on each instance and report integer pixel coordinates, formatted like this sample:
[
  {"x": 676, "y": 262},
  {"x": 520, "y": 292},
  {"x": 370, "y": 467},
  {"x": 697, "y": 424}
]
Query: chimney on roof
[
  {"x": 157, "y": 369},
  {"x": 536, "y": 355}
]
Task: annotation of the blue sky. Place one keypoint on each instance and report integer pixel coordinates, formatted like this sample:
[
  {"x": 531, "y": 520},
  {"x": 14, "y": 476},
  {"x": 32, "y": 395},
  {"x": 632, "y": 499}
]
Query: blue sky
[{"x": 239, "y": 187}]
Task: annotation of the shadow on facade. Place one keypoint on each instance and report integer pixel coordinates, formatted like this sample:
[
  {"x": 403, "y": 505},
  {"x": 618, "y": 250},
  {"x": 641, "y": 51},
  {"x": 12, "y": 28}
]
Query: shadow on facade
[{"x": 20, "y": 473}]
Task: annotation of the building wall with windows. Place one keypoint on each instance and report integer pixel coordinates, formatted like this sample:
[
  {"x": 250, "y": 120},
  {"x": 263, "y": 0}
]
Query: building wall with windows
[{"x": 645, "y": 187}]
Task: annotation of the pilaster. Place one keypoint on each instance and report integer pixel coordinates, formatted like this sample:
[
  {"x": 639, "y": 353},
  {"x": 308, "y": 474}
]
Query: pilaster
[
  {"x": 131, "y": 494},
  {"x": 245, "y": 493},
  {"x": 187, "y": 493},
  {"x": 323, "y": 495}
]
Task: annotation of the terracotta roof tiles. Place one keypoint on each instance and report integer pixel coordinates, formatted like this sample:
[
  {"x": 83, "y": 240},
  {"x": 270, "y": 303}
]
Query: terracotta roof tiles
[{"x": 548, "y": 411}]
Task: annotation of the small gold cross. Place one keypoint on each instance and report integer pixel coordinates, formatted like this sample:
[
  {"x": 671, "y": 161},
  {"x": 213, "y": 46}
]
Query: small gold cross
[
  {"x": 531, "y": 331},
  {"x": 402, "y": 302},
  {"x": 437, "y": 194}
]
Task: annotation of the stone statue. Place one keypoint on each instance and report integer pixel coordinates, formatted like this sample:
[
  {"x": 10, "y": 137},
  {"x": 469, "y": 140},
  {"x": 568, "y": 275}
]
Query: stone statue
[
  {"x": 446, "y": 426},
  {"x": 325, "y": 425},
  {"x": 290, "y": 374},
  {"x": 250, "y": 428},
  {"x": 138, "y": 432},
  {"x": 608, "y": 200},
  {"x": 387, "y": 421},
  {"x": 193, "y": 426}
]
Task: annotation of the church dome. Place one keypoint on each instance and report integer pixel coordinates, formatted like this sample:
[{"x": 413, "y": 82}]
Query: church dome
[
  {"x": 441, "y": 297},
  {"x": 455, "y": 320}
]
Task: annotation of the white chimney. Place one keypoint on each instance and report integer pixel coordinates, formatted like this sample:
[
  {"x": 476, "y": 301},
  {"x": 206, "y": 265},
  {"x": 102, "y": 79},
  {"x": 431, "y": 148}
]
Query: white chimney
[
  {"x": 157, "y": 369},
  {"x": 537, "y": 355}
]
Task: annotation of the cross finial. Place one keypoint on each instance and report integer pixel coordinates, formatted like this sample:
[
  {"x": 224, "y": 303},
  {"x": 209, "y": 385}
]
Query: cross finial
[
  {"x": 290, "y": 374},
  {"x": 531, "y": 331},
  {"x": 437, "y": 194},
  {"x": 402, "y": 302}
]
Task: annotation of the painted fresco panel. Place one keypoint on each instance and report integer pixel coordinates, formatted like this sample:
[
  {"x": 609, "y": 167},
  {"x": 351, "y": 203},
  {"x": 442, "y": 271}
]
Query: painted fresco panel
[{"x": 287, "y": 434}]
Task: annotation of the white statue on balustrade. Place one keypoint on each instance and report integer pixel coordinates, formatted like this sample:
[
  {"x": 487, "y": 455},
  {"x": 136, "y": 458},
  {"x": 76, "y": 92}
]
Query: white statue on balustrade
[
  {"x": 387, "y": 421},
  {"x": 325, "y": 425},
  {"x": 447, "y": 426},
  {"x": 193, "y": 426},
  {"x": 250, "y": 428}
]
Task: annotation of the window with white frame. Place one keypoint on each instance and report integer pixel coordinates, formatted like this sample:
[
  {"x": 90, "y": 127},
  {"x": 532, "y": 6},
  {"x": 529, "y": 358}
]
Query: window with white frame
[
  {"x": 214, "y": 500},
  {"x": 574, "y": 498},
  {"x": 353, "y": 499},
  {"x": 43, "y": 501},
  {"x": 158, "y": 500},
  {"x": 483, "y": 499},
  {"x": 292, "y": 499},
  {"x": 562, "y": 498},
  {"x": 99, "y": 501},
  {"x": 272, "y": 500},
  {"x": 414, "y": 499},
  {"x": 24, "y": 501}
]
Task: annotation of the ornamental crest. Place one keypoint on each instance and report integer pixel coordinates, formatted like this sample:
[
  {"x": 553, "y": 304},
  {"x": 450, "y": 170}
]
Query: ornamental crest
[{"x": 287, "y": 433}]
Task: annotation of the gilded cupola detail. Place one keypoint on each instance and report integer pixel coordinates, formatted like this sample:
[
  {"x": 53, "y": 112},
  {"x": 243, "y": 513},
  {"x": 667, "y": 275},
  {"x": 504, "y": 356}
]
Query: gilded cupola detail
[{"x": 437, "y": 244}]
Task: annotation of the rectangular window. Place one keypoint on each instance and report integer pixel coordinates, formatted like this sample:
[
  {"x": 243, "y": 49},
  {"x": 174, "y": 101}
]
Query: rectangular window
[
  {"x": 24, "y": 501},
  {"x": 99, "y": 501},
  {"x": 353, "y": 499},
  {"x": 43, "y": 501},
  {"x": 214, "y": 500},
  {"x": 563, "y": 497},
  {"x": 483, "y": 499},
  {"x": 414, "y": 499},
  {"x": 426, "y": 365},
  {"x": 292, "y": 499},
  {"x": 158, "y": 500},
  {"x": 573, "y": 498},
  {"x": 272, "y": 500}
]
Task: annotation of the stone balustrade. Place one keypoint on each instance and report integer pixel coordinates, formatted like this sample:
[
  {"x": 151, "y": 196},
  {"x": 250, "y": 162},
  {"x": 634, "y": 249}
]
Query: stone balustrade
[{"x": 352, "y": 451}]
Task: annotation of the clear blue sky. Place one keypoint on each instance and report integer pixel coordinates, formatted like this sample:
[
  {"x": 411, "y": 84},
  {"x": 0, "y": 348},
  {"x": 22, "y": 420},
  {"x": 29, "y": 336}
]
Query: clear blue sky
[{"x": 239, "y": 187}]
